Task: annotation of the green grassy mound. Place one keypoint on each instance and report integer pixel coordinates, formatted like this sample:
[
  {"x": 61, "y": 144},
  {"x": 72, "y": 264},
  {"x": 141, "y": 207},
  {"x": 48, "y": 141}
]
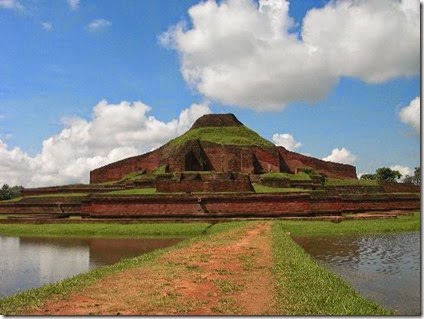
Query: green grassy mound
[{"x": 231, "y": 135}]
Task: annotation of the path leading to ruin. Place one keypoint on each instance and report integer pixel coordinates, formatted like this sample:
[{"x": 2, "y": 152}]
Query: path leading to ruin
[{"x": 228, "y": 274}]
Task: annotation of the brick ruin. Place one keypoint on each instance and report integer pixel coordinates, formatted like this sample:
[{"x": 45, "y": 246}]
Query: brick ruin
[
  {"x": 203, "y": 179},
  {"x": 202, "y": 155}
]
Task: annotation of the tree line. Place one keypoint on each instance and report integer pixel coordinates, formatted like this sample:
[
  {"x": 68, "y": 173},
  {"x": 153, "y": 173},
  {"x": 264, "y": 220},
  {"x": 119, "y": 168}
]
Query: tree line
[
  {"x": 387, "y": 174},
  {"x": 7, "y": 192}
]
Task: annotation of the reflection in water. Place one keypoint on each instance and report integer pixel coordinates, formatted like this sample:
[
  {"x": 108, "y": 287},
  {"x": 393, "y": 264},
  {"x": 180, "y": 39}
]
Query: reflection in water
[
  {"x": 33, "y": 262},
  {"x": 384, "y": 267}
]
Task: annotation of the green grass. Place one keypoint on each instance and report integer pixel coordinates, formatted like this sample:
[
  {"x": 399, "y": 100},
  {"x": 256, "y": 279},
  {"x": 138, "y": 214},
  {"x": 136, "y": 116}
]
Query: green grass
[
  {"x": 135, "y": 191},
  {"x": 105, "y": 230},
  {"x": 230, "y": 135},
  {"x": 267, "y": 189},
  {"x": 305, "y": 288},
  {"x": 301, "y": 176},
  {"x": 311, "y": 228},
  {"x": 16, "y": 199},
  {"x": 350, "y": 182},
  {"x": 58, "y": 195},
  {"x": 19, "y": 303}
]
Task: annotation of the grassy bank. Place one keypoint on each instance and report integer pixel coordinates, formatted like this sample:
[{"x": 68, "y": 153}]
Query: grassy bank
[
  {"x": 305, "y": 288},
  {"x": 302, "y": 286},
  {"x": 310, "y": 228},
  {"x": 105, "y": 230},
  {"x": 21, "y": 303}
]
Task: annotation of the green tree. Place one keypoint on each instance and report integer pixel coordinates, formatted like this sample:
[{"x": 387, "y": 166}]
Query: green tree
[
  {"x": 7, "y": 192},
  {"x": 416, "y": 179},
  {"x": 387, "y": 174},
  {"x": 368, "y": 177}
]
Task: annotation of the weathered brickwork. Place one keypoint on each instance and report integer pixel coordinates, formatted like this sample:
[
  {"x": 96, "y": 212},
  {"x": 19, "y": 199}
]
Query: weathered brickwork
[
  {"x": 254, "y": 205},
  {"x": 198, "y": 155},
  {"x": 222, "y": 205},
  {"x": 293, "y": 161}
]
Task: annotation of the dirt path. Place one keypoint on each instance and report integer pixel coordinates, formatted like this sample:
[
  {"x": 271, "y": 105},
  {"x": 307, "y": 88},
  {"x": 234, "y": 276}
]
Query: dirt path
[{"x": 229, "y": 274}]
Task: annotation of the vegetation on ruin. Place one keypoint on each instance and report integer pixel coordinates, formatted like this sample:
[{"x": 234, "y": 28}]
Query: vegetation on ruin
[
  {"x": 313, "y": 228},
  {"x": 228, "y": 135},
  {"x": 134, "y": 191},
  {"x": 267, "y": 189},
  {"x": 350, "y": 182},
  {"x": 58, "y": 195},
  {"x": 301, "y": 176},
  {"x": 305, "y": 288}
]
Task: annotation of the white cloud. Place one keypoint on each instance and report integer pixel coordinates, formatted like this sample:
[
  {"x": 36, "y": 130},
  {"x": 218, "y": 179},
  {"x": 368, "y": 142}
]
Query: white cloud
[
  {"x": 404, "y": 170},
  {"x": 411, "y": 114},
  {"x": 98, "y": 25},
  {"x": 115, "y": 131},
  {"x": 342, "y": 155},
  {"x": 48, "y": 26},
  {"x": 240, "y": 53},
  {"x": 73, "y": 4},
  {"x": 286, "y": 140},
  {"x": 11, "y": 5}
]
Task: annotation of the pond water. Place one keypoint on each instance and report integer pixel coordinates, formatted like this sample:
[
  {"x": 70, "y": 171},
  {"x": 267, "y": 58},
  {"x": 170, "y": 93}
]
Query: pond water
[
  {"x": 30, "y": 262},
  {"x": 384, "y": 267}
]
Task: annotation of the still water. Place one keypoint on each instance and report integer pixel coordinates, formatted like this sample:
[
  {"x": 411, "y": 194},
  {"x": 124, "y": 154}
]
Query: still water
[
  {"x": 384, "y": 268},
  {"x": 28, "y": 262}
]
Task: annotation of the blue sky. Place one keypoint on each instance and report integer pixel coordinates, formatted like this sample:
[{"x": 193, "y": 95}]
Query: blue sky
[{"x": 324, "y": 75}]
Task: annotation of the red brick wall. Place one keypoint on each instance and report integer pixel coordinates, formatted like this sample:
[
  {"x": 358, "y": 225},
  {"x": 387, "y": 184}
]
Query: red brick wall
[
  {"x": 197, "y": 206},
  {"x": 32, "y": 208},
  {"x": 117, "y": 170},
  {"x": 400, "y": 188},
  {"x": 334, "y": 170},
  {"x": 165, "y": 186},
  {"x": 253, "y": 205},
  {"x": 268, "y": 159},
  {"x": 225, "y": 205},
  {"x": 248, "y": 160}
]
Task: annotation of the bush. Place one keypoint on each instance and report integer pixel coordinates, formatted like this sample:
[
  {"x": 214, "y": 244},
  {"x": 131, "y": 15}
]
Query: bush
[{"x": 7, "y": 192}]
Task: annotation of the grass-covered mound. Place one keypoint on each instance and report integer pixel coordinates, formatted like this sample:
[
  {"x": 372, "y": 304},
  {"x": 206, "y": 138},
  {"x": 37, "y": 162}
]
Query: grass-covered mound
[{"x": 230, "y": 135}]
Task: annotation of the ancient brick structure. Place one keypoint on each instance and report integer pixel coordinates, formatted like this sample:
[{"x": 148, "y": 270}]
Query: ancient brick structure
[
  {"x": 214, "y": 182},
  {"x": 200, "y": 154},
  {"x": 242, "y": 205}
]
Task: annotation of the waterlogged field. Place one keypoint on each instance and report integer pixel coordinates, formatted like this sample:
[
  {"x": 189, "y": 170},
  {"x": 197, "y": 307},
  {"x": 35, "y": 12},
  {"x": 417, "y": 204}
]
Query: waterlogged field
[{"x": 218, "y": 269}]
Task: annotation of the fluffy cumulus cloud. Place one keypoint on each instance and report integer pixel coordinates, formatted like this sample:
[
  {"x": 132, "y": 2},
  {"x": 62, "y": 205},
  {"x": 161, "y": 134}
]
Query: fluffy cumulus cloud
[
  {"x": 411, "y": 114},
  {"x": 242, "y": 53},
  {"x": 286, "y": 140},
  {"x": 404, "y": 170},
  {"x": 342, "y": 155},
  {"x": 98, "y": 25},
  {"x": 116, "y": 131}
]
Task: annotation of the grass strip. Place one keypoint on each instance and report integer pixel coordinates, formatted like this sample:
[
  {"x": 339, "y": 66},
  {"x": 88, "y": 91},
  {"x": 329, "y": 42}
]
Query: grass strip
[
  {"x": 305, "y": 288},
  {"x": 311, "y": 228},
  {"x": 23, "y": 302},
  {"x": 58, "y": 195},
  {"x": 350, "y": 182},
  {"x": 301, "y": 176},
  {"x": 268, "y": 189},
  {"x": 135, "y": 191},
  {"x": 105, "y": 230}
]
